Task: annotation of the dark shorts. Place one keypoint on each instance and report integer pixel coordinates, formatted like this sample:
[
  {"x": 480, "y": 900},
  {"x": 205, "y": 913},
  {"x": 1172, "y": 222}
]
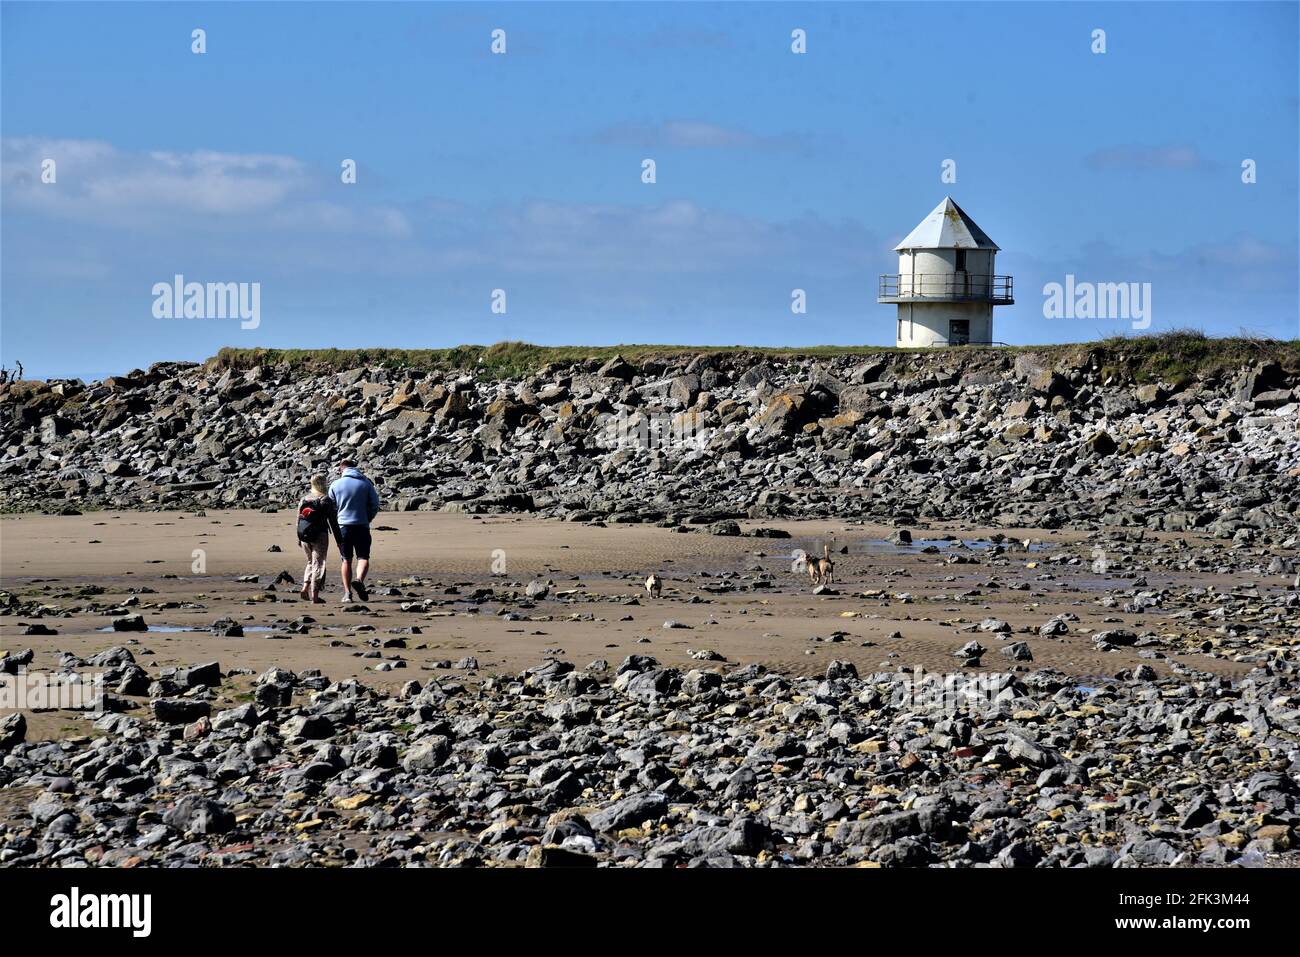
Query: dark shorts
[{"x": 355, "y": 539}]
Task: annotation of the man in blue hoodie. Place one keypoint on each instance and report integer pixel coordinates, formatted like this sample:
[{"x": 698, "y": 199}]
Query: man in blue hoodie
[{"x": 357, "y": 502}]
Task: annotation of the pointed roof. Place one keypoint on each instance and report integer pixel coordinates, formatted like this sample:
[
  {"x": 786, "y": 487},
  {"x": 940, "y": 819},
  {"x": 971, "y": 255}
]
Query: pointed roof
[{"x": 947, "y": 227}]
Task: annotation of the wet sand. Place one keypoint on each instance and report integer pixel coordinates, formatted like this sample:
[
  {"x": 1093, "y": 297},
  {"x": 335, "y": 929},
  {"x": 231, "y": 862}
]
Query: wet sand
[{"x": 896, "y": 605}]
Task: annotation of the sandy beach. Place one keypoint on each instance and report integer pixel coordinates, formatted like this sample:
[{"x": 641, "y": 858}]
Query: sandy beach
[{"x": 433, "y": 590}]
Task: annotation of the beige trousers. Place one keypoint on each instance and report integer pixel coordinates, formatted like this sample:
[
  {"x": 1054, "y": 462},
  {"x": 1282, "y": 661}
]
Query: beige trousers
[{"x": 313, "y": 576}]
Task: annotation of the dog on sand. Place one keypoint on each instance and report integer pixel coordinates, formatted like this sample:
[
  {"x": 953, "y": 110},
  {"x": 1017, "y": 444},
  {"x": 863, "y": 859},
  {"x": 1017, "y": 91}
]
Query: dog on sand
[{"x": 821, "y": 571}]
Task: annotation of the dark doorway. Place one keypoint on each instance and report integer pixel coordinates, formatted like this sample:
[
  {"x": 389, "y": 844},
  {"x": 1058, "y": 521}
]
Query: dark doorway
[
  {"x": 961, "y": 260},
  {"x": 958, "y": 332}
]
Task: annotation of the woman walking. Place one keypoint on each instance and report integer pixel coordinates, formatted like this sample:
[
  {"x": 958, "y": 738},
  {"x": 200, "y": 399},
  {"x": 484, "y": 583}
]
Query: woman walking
[{"x": 317, "y": 520}]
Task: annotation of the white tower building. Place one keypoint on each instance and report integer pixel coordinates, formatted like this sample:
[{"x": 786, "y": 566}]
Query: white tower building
[{"x": 945, "y": 286}]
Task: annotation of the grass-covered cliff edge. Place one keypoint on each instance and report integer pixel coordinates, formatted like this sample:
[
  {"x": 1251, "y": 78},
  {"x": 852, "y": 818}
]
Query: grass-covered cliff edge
[{"x": 1172, "y": 357}]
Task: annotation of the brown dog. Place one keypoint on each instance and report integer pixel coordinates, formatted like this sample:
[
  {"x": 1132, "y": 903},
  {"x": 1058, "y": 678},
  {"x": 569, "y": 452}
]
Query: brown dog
[{"x": 821, "y": 571}]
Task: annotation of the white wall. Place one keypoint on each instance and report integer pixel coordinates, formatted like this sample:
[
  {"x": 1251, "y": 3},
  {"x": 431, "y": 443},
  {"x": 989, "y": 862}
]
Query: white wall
[
  {"x": 942, "y": 263},
  {"x": 926, "y": 324}
]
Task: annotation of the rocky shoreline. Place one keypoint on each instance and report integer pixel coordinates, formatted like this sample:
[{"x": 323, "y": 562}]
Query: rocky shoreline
[
  {"x": 704, "y": 761},
  {"x": 638, "y": 765},
  {"x": 1002, "y": 438}
]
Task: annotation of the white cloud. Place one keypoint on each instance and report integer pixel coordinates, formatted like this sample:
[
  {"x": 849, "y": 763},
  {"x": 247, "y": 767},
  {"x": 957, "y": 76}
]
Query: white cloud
[
  {"x": 288, "y": 215},
  {"x": 689, "y": 134},
  {"x": 1179, "y": 157},
  {"x": 98, "y": 183},
  {"x": 329, "y": 217},
  {"x": 677, "y": 237}
]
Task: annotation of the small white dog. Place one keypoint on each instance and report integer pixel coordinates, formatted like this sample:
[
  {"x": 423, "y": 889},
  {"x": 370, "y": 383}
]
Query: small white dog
[{"x": 654, "y": 585}]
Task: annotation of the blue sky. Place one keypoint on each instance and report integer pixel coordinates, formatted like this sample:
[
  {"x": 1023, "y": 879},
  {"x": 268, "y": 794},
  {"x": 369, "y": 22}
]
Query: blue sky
[{"x": 522, "y": 172}]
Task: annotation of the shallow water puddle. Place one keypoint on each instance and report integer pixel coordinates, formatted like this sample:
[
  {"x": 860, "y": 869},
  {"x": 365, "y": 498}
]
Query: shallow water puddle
[{"x": 175, "y": 628}]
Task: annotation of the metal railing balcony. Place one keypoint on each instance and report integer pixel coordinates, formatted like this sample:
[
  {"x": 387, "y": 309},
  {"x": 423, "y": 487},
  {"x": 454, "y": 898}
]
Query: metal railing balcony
[{"x": 946, "y": 287}]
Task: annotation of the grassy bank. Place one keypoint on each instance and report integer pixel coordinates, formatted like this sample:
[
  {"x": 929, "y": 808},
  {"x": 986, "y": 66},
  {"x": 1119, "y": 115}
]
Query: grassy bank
[
  {"x": 1184, "y": 354},
  {"x": 1170, "y": 356}
]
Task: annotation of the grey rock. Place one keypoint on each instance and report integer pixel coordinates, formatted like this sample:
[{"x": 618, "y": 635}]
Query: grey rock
[
  {"x": 198, "y": 815},
  {"x": 13, "y": 730},
  {"x": 179, "y": 710},
  {"x": 631, "y": 811}
]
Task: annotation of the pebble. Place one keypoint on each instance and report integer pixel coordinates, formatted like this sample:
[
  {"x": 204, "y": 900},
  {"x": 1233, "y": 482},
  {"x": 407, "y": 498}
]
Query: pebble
[{"x": 650, "y": 767}]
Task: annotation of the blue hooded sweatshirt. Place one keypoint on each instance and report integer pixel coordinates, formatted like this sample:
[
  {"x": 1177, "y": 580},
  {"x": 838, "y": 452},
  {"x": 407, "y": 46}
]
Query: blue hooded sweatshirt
[{"x": 356, "y": 498}]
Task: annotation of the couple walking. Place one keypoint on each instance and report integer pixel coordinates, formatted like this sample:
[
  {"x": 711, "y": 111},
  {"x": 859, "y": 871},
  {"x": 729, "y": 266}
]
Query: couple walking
[{"x": 346, "y": 508}]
